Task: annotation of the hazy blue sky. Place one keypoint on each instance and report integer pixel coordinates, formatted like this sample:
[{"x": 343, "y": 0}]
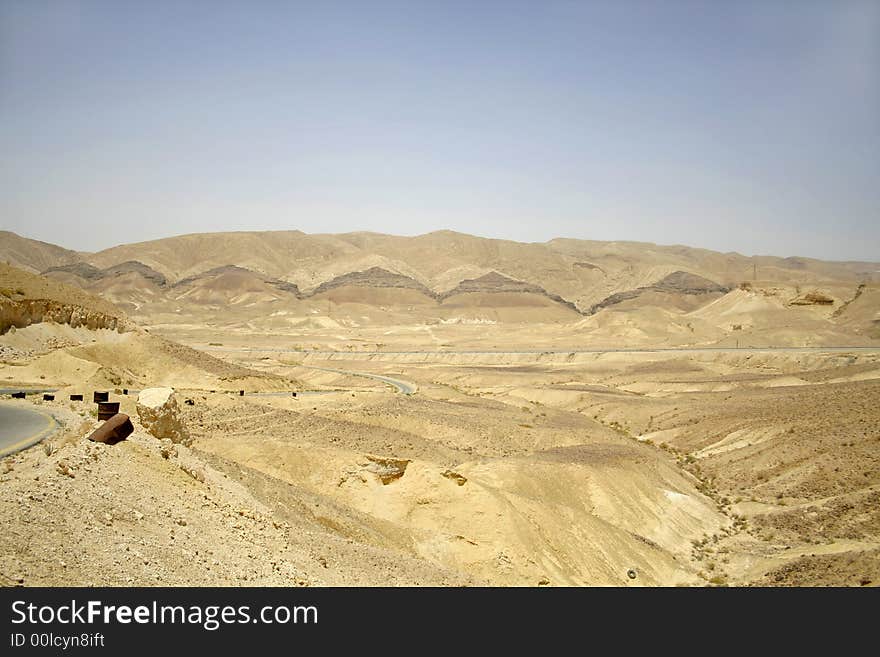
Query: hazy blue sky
[{"x": 752, "y": 127}]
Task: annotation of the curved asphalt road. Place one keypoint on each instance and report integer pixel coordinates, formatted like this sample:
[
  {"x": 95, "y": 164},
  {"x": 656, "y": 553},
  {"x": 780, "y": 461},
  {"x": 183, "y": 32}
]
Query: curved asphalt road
[
  {"x": 405, "y": 387},
  {"x": 408, "y": 388},
  {"x": 502, "y": 352},
  {"x": 22, "y": 427}
]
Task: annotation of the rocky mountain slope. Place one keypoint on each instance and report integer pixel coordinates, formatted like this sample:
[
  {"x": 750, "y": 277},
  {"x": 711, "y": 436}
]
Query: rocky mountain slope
[
  {"x": 289, "y": 280},
  {"x": 27, "y": 299},
  {"x": 579, "y": 271}
]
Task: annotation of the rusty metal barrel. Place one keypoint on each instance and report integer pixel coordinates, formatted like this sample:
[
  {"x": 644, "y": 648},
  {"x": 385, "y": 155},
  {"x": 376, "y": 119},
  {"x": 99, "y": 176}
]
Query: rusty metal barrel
[
  {"x": 241, "y": 393},
  {"x": 48, "y": 397},
  {"x": 99, "y": 397},
  {"x": 106, "y": 410},
  {"x": 76, "y": 398},
  {"x": 118, "y": 427},
  {"x": 125, "y": 391}
]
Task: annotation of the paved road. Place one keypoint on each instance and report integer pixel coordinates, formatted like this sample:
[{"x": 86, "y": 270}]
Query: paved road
[
  {"x": 737, "y": 350},
  {"x": 405, "y": 387},
  {"x": 288, "y": 393},
  {"x": 408, "y": 388},
  {"x": 22, "y": 427},
  {"x": 29, "y": 391}
]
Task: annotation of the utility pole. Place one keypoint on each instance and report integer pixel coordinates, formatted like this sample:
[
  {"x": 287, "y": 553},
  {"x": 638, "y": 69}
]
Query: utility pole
[{"x": 755, "y": 271}]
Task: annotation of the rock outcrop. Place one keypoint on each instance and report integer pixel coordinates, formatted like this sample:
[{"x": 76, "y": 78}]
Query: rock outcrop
[
  {"x": 461, "y": 480},
  {"x": 493, "y": 283},
  {"x": 679, "y": 282},
  {"x": 375, "y": 277},
  {"x": 27, "y": 299},
  {"x": 387, "y": 469},
  {"x": 91, "y": 273},
  {"x": 160, "y": 415},
  {"x": 24, "y": 312},
  {"x": 813, "y": 298},
  {"x": 234, "y": 270}
]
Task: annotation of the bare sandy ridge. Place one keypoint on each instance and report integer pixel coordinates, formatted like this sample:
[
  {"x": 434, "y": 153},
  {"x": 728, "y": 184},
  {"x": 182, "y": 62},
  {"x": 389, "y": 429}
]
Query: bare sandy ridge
[
  {"x": 89, "y": 514},
  {"x": 757, "y": 416},
  {"x": 786, "y": 444},
  {"x": 577, "y": 272},
  {"x": 33, "y": 255},
  {"x": 57, "y": 335},
  {"x": 18, "y": 286},
  {"x": 514, "y": 483},
  {"x": 348, "y": 291}
]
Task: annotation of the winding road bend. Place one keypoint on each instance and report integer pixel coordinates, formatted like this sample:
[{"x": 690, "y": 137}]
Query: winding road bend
[
  {"x": 405, "y": 387},
  {"x": 22, "y": 427}
]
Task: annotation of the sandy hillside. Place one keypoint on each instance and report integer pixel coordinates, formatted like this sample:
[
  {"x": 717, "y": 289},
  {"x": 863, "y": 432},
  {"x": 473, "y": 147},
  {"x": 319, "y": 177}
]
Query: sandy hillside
[
  {"x": 33, "y": 255},
  {"x": 365, "y": 278},
  {"x": 374, "y": 489},
  {"x": 784, "y": 443},
  {"x": 137, "y": 514},
  {"x": 53, "y": 335}
]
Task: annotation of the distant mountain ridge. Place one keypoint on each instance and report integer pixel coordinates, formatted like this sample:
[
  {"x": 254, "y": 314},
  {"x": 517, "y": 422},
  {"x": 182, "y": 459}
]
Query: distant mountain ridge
[{"x": 581, "y": 275}]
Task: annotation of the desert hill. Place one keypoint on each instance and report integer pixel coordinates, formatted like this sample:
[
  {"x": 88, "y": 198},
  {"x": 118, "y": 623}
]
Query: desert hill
[
  {"x": 676, "y": 283},
  {"x": 33, "y": 255},
  {"x": 290, "y": 281},
  {"x": 58, "y": 335},
  {"x": 580, "y": 271},
  {"x": 27, "y": 299}
]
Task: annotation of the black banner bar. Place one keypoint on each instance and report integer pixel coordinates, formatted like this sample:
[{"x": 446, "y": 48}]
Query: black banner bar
[{"x": 114, "y": 619}]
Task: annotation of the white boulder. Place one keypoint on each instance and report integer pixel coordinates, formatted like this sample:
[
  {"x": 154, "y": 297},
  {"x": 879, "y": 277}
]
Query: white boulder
[{"x": 160, "y": 415}]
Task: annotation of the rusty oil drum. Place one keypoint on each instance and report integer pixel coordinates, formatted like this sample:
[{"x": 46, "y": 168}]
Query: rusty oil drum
[{"x": 106, "y": 410}]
